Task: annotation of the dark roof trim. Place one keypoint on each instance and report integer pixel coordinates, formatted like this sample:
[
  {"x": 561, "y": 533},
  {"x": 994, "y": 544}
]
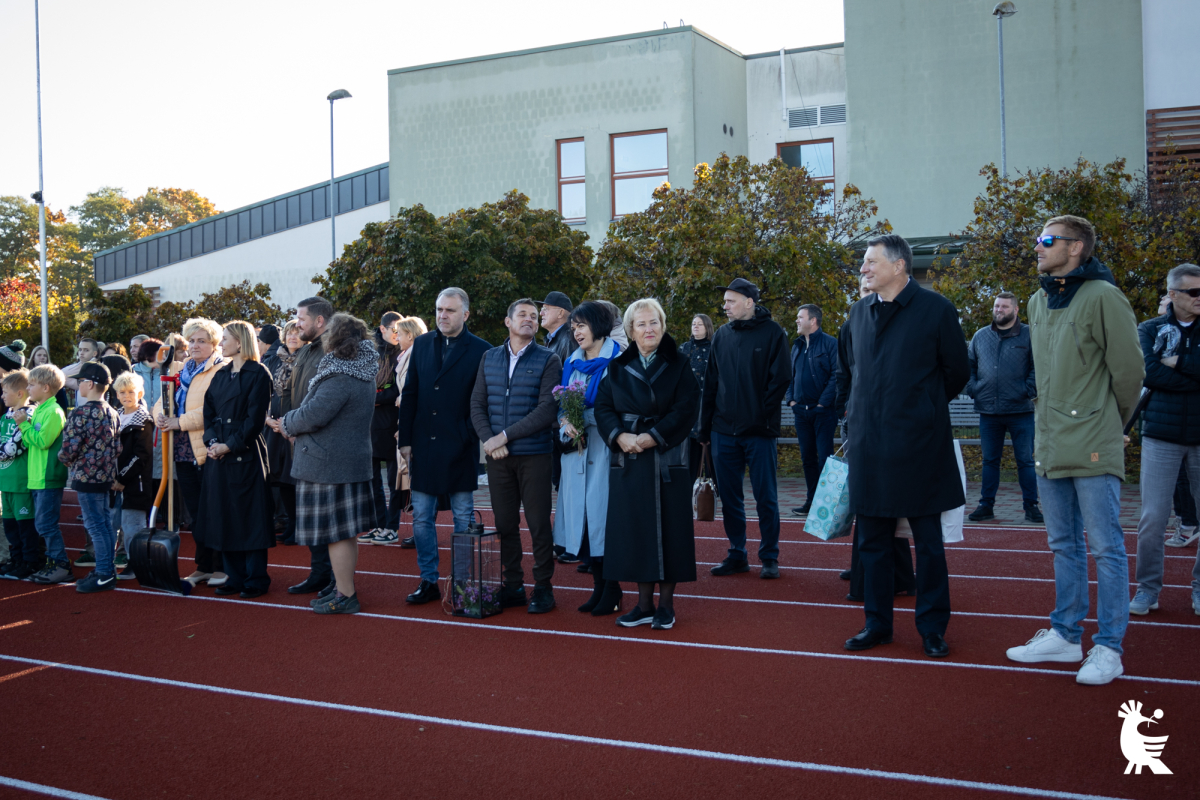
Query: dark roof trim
[
  {"x": 567, "y": 46},
  {"x": 775, "y": 54}
]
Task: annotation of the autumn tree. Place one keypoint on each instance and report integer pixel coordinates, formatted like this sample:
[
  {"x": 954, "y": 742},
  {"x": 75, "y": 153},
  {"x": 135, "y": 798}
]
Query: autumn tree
[
  {"x": 498, "y": 252},
  {"x": 68, "y": 268},
  {"x": 159, "y": 210},
  {"x": 768, "y": 223},
  {"x": 1143, "y": 229},
  {"x": 243, "y": 301},
  {"x": 119, "y": 316},
  {"x": 21, "y": 318}
]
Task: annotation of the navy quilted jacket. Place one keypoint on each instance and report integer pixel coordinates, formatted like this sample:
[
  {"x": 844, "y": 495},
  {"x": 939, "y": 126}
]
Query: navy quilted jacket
[{"x": 1002, "y": 379}]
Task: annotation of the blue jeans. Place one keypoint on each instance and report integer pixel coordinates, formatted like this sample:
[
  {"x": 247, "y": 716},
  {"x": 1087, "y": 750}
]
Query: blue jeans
[
  {"x": 462, "y": 505},
  {"x": 991, "y": 439},
  {"x": 1072, "y": 505},
  {"x": 814, "y": 432},
  {"x": 731, "y": 455},
  {"x": 47, "y": 504},
  {"x": 97, "y": 518}
]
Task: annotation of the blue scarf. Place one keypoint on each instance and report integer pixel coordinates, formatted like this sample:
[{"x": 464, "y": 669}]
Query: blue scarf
[
  {"x": 591, "y": 369},
  {"x": 190, "y": 370}
]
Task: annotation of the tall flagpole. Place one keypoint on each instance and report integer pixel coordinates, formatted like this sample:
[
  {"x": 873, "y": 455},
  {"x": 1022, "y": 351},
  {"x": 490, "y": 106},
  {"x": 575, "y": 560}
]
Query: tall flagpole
[{"x": 41, "y": 197}]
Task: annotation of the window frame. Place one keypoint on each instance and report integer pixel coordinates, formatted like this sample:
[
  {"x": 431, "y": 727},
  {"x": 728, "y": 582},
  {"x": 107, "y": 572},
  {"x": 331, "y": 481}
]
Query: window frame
[
  {"x": 832, "y": 147},
  {"x": 614, "y": 176},
  {"x": 561, "y": 181}
]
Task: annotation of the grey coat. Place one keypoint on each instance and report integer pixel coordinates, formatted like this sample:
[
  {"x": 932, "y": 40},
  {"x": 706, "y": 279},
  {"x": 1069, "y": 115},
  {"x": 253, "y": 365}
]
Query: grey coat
[
  {"x": 333, "y": 428},
  {"x": 1002, "y": 379}
]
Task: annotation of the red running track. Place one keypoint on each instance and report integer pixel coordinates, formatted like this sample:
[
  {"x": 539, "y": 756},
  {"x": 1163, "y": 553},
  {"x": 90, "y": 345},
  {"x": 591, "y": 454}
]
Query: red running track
[{"x": 137, "y": 694}]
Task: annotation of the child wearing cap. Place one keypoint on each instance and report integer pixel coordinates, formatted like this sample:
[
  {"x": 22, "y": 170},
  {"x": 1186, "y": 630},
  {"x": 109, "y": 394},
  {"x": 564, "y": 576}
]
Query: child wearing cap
[
  {"x": 16, "y": 503},
  {"x": 41, "y": 431},
  {"x": 134, "y": 483},
  {"x": 91, "y": 445}
]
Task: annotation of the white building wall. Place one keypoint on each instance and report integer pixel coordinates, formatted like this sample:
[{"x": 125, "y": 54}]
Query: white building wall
[
  {"x": 287, "y": 261},
  {"x": 812, "y": 77},
  {"x": 1170, "y": 53}
]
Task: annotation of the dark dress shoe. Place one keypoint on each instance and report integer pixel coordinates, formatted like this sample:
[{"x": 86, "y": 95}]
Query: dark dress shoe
[
  {"x": 425, "y": 593},
  {"x": 770, "y": 569},
  {"x": 935, "y": 645},
  {"x": 226, "y": 589},
  {"x": 313, "y": 583},
  {"x": 854, "y": 598},
  {"x": 288, "y": 541},
  {"x": 844, "y": 574},
  {"x": 543, "y": 600},
  {"x": 731, "y": 566},
  {"x": 868, "y": 638},
  {"x": 584, "y": 568},
  {"x": 514, "y": 597},
  {"x": 250, "y": 594},
  {"x": 409, "y": 544}
]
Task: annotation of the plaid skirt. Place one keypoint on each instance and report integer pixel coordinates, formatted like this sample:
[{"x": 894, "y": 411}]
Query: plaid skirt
[{"x": 333, "y": 512}]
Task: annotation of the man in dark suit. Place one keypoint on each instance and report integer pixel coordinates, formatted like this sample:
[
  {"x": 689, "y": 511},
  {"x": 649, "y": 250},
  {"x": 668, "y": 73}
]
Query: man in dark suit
[
  {"x": 902, "y": 359},
  {"x": 436, "y": 435}
]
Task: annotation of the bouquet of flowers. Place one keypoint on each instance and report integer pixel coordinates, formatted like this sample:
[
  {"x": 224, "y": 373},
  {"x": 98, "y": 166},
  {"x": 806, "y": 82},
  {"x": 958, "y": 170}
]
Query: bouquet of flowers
[{"x": 570, "y": 400}]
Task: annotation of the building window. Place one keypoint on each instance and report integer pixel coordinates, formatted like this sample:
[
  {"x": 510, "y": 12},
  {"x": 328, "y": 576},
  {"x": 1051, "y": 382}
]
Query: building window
[
  {"x": 817, "y": 158},
  {"x": 639, "y": 166},
  {"x": 572, "y": 192}
]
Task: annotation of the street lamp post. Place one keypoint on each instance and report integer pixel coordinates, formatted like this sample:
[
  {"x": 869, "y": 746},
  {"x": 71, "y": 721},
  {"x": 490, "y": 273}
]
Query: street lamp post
[
  {"x": 334, "y": 95},
  {"x": 40, "y": 196},
  {"x": 1002, "y": 10}
]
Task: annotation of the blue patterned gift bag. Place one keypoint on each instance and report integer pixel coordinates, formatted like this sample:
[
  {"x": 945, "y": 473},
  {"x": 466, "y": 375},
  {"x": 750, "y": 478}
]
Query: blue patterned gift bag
[{"x": 830, "y": 516}]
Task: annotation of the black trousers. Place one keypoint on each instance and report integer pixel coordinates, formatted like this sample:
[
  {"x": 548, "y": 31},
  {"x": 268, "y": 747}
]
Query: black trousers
[
  {"x": 902, "y": 566},
  {"x": 287, "y": 499},
  {"x": 247, "y": 569},
  {"x": 933, "y": 582},
  {"x": 189, "y": 475},
  {"x": 385, "y": 516},
  {"x": 515, "y": 481}
]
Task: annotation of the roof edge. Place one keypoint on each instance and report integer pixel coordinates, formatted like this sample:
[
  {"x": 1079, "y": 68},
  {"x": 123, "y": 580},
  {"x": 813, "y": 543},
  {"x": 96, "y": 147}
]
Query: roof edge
[
  {"x": 567, "y": 46},
  {"x": 239, "y": 210},
  {"x": 793, "y": 50}
]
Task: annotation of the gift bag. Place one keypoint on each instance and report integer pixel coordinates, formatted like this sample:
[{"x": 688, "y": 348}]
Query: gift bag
[
  {"x": 952, "y": 520},
  {"x": 704, "y": 492},
  {"x": 829, "y": 516}
]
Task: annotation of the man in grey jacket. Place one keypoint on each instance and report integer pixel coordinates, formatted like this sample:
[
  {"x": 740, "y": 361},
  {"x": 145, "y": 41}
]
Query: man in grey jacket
[{"x": 1003, "y": 387}]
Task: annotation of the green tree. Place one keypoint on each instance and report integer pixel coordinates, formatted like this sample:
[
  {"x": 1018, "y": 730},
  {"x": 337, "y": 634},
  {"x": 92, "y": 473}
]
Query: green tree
[
  {"x": 18, "y": 237},
  {"x": 497, "y": 253},
  {"x": 21, "y": 318},
  {"x": 768, "y": 223},
  {"x": 103, "y": 218},
  {"x": 119, "y": 316},
  {"x": 1143, "y": 229},
  {"x": 68, "y": 267},
  {"x": 243, "y": 301}
]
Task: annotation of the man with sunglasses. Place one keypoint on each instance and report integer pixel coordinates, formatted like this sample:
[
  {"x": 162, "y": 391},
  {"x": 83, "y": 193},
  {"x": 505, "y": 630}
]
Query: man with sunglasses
[
  {"x": 1171, "y": 428},
  {"x": 1089, "y": 376}
]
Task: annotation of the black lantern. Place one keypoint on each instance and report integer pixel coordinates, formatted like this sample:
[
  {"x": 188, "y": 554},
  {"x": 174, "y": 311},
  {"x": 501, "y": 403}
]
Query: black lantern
[{"x": 475, "y": 572}]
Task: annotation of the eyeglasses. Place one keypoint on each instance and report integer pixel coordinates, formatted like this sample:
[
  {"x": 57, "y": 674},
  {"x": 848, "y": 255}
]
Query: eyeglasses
[
  {"x": 1048, "y": 241},
  {"x": 1193, "y": 293}
]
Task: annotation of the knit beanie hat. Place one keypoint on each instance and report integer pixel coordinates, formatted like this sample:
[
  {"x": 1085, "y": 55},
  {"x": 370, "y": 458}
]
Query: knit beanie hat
[
  {"x": 269, "y": 334},
  {"x": 11, "y": 355}
]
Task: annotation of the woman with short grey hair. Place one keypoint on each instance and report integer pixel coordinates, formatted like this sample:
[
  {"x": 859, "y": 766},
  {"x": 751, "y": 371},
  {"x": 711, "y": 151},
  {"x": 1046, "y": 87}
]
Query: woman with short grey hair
[{"x": 332, "y": 458}]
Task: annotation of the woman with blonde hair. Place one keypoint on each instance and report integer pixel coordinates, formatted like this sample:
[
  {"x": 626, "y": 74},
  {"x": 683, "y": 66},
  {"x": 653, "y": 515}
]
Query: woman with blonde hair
[
  {"x": 409, "y": 329},
  {"x": 236, "y": 513},
  {"x": 201, "y": 336}
]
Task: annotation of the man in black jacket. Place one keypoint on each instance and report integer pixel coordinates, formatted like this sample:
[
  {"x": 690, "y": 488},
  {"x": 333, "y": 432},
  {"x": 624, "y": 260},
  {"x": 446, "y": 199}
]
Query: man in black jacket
[
  {"x": 902, "y": 358},
  {"x": 748, "y": 376},
  {"x": 1004, "y": 387},
  {"x": 556, "y": 309},
  {"x": 811, "y": 396},
  {"x": 1170, "y": 428},
  {"x": 435, "y": 432},
  {"x": 513, "y": 410}
]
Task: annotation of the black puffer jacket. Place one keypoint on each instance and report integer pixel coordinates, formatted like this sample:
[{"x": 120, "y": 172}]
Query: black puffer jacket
[
  {"x": 1173, "y": 412},
  {"x": 748, "y": 374},
  {"x": 1002, "y": 378}
]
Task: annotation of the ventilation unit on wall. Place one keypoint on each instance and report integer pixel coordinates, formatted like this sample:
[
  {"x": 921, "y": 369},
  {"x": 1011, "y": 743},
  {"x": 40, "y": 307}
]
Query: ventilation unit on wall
[
  {"x": 802, "y": 117},
  {"x": 833, "y": 115}
]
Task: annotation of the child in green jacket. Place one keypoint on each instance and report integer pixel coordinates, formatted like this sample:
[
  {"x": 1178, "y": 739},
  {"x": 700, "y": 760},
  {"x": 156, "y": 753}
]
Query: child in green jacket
[
  {"x": 42, "y": 434},
  {"x": 16, "y": 503}
]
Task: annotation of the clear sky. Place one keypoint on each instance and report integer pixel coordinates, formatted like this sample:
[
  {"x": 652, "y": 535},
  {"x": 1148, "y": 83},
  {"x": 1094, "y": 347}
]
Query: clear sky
[{"x": 227, "y": 97}]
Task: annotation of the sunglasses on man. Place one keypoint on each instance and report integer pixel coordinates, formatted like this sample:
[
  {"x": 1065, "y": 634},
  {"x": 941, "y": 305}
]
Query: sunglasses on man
[
  {"x": 1048, "y": 241},
  {"x": 1193, "y": 293}
]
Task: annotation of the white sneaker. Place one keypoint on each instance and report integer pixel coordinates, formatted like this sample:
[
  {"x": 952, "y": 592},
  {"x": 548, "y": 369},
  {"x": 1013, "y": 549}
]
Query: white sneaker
[
  {"x": 1196, "y": 603},
  {"x": 369, "y": 536},
  {"x": 1182, "y": 537},
  {"x": 1046, "y": 645},
  {"x": 1103, "y": 665}
]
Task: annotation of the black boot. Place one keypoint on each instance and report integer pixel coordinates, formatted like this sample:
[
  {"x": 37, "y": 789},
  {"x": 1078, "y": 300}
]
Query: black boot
[
  {"x": 597, "y": 591},
  {"x": 610, "y": 600}
]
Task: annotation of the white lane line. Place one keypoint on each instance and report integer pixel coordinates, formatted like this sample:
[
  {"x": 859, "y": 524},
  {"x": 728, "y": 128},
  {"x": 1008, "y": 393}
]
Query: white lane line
[
  {"x": 671, "y": 643},
  {"x": 39, "y": 788},
  {"x": 950, "y": 548},
  {"x": 714, "y": 755}
]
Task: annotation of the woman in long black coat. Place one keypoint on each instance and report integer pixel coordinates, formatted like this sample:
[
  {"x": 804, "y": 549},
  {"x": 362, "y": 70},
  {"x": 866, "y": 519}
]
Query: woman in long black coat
[
  {"x": 645, "y": 411},
  {"x": 280, "y": 362},
  {"x": 236, "y": 513}
]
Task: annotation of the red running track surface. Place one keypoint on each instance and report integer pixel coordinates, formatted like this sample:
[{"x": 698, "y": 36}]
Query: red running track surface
[{"x": 751, "y": 692}]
